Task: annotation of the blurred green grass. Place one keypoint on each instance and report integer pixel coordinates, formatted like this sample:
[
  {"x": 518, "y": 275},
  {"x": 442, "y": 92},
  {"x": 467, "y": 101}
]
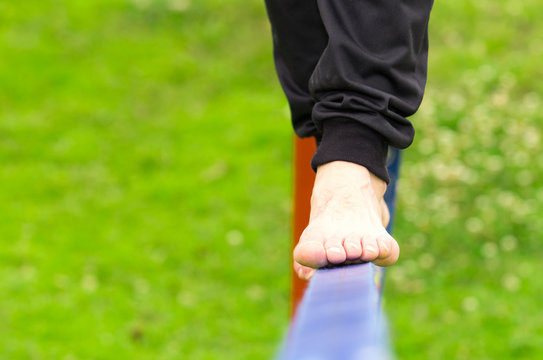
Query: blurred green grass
[{"x": 145, "y": 184}]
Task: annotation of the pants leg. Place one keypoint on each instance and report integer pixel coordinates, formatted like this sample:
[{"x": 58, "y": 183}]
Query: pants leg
[
  {"x": 367, "y": 78},
  {"x": 299, "y": 39}
]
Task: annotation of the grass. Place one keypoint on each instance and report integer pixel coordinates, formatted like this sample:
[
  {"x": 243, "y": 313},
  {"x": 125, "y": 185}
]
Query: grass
[{"x": 145, "y": 184}]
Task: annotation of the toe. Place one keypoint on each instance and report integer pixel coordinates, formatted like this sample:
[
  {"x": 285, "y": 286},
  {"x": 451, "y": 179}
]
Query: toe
[
  {"x": 304, "y": 272},
  {"x": 352, "y": 247},
  {"x": 311, "y": 254},
  {"x": 384, "y": 242},
  {"x": 335, "y": 251},
  {"x": 392, "y": 258},
  {"x": 370, "y": 249}
]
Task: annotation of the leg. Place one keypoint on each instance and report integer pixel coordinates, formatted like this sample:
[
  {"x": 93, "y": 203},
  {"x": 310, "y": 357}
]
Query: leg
[
  {"x": 299, "y": 39},
  {"x": 368, "y": 77}
]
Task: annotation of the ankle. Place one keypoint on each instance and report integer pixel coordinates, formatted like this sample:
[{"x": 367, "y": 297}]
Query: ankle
[{"x": 337, "y": 176}]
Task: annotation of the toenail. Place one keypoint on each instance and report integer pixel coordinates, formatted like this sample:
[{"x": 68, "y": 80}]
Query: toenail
[
  {"x": 352, "y": 246},
  {"x": 371, "y": 249},
  {"x": 384, "y": 246},
  {"x": 335, "y": 250}
]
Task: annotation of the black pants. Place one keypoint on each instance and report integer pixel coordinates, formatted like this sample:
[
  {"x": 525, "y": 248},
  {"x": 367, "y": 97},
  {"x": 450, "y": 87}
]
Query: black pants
[{"x": 352, "y": 71}]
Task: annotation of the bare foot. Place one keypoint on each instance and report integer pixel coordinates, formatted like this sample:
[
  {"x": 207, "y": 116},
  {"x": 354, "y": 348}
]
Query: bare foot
[{"x": 347, "y": 221}]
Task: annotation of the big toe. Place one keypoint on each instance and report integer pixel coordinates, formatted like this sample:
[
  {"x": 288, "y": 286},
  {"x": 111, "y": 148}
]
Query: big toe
[{"x": 311, "y": 254}]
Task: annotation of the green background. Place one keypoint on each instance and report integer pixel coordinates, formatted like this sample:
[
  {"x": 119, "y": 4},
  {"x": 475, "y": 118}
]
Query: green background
[{"x": 145, "y": 183}]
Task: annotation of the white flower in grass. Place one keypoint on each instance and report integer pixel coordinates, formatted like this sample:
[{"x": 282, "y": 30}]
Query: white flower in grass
[
  {"x": 186, "y": 299},
  {"x": 141, "y": 286},
  {"x": 511, "y": 282},
  {"x": 440, "y": 171},
  {"x": 256, "y": 292},
  {"x": 450, "y": 316},
  {"x": 214, "y": 172},
  {"x": 426, "y": 146},
  {"x": 531, "y": 102},
  {"x": 456, "y": 101},
  {"x": 531, "y": 138},
  {"x": 159, "y": 256},
  {"x": 141, "y": 4},
  {"x": 89, "y": 283},
  {"x": 489, "y": 250},
  {"x": 506, "y": 199},
  {"x": 427, "y": 261},
  {"x": 526, "y": 270},
  {"x": 234, "y": 237},
  {"x": 470, "y": 304},
  {"x": 508, "y": 243},
  {"x": 482, "y": 201},
  {"x": 420, "y": 312},
  {"x": 418, "y": 240},
  {"x": 28, "y": 272},
  {"x": 500, "y": 99},
  {"x": 61, "y": 281},
  {"x": 521, "y": 158},
  {"x": 494, "y": 163},
  {"x": 397, "y": 274},
  {"x": 524, "y": 178},
  {"x": 486, "y": 72},
  {"x": 178, "y": 5},
  {"x": 474, "y": 225},
  {"x": 508, "y": 80}
]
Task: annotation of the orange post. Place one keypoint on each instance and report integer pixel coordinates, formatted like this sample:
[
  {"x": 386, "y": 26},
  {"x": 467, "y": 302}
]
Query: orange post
[{"x": 304, "y": 177}]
